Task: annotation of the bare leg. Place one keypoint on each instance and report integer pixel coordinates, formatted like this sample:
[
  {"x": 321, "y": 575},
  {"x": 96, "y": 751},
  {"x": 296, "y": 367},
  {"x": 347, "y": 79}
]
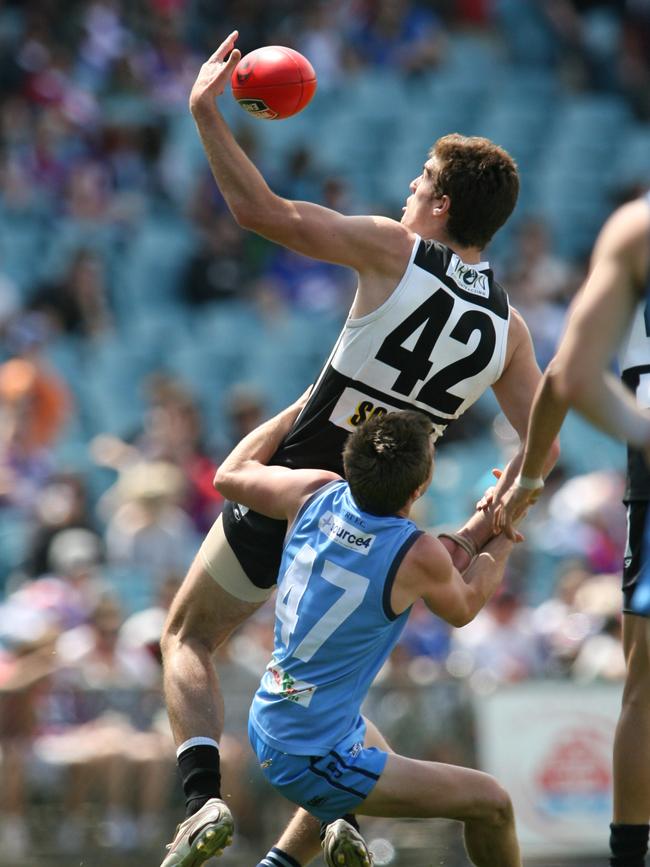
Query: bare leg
[
  {"x": 301, "y": 837},
  {"x": 418, "y": 789},
  {"x": 632, "y": 740},
  {"x": 201, "y": 618},
  {"x": 374, "y": 737}
]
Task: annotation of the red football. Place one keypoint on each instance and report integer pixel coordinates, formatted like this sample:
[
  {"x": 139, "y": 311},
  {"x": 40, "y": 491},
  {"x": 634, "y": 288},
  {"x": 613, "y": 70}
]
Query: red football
[{"x": 273, "y": 82}]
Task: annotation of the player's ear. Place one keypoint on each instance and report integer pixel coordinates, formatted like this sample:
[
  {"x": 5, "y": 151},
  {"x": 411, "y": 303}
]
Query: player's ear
[{"x": 441, "y": 206}]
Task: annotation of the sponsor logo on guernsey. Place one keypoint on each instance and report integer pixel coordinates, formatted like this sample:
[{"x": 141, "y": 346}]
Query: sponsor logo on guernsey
[
  {"x": 239, "y": 511},
  {"x": 345, "y": 534},
  {"x": 354, "y": 407},
  {"x": 467, "y": 278},
  {"x": 277, "y": 681}
]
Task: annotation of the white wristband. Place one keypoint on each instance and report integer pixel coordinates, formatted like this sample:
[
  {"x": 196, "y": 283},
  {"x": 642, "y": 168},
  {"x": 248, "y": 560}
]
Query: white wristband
[{"x": 528, "y": 483}]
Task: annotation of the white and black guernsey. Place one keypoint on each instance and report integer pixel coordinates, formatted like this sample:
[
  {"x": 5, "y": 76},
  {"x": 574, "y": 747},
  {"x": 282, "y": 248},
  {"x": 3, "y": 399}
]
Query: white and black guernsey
[
  {"x": 435, "y": 345},
  {"x": 634, "y": 362}
]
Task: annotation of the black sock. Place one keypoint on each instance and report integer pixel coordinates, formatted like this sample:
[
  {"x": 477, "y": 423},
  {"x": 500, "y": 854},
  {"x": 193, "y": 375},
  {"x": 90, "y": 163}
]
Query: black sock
[
  {"x": 277, "y": 858},
  {"x": 628, "y": 845},
  {"x": 201, "y": 776},
  {"x": 350, "y": 818}
]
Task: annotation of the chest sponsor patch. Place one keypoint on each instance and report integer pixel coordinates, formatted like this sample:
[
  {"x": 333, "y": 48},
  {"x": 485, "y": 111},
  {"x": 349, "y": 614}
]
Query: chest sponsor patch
[
  {"x": 467, "y": 278},
  {"x": 354, "y": 408},
  {"x": 277, "y": 681},
  {"x": 345, "y": 534}
]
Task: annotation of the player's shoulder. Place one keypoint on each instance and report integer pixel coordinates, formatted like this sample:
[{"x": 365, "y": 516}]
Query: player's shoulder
[
  {"x": 433, "y": 256},
  {"x": 306, "y": 483},
  {"x": 625, "y": 240},
  {"x": 628, "y": 227},
  {"x": 427, "y": 559}
]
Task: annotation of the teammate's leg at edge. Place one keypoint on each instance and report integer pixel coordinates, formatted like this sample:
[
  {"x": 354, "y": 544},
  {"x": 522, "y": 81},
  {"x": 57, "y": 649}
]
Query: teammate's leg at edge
[{"x": 629, "y": 829}]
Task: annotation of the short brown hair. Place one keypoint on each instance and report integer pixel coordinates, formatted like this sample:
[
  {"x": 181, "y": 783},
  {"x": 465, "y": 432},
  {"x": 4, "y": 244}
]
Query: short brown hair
[
  {"x": 482, "y": 182},
  {"x": 387, "y": 459}
]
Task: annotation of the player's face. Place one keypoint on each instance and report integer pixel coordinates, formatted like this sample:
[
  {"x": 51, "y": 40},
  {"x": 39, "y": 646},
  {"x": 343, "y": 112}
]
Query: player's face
[{"x": 419, "y": 205}]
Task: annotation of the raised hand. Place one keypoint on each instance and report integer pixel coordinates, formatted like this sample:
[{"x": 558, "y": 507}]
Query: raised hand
[
  {"x": 487, "y": 499},
  {"x": 511, "y": 507},
  {"x": 215, "y": 73}
]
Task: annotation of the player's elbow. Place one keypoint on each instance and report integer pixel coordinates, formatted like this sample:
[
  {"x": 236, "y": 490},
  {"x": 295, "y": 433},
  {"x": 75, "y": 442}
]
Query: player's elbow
[
  {"x": 263, "y": 215},
  {"x": 461, "y": 618},
  {"x": 245, "y": 215},
  {"x": 225, "y": 482},
  {"x": 567, "y": 381}
]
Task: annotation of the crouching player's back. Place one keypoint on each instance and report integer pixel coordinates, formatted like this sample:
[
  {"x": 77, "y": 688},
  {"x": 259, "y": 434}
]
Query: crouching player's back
[
  {"x": 334, "y": 628},
  {"x": 353, "y": 565}
]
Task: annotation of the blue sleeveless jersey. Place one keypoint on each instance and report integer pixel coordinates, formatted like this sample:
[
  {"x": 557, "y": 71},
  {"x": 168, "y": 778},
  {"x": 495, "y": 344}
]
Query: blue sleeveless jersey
[{"x": 334, "y": 627}]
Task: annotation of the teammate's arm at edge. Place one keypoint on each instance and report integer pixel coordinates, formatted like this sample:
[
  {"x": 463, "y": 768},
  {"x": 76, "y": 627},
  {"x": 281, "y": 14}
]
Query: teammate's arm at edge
[{"x": 578, "y": 376}]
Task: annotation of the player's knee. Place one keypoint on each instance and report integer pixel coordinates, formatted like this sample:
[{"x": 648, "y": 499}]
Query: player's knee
[
  {"x": 636, "y": 693},
  {"x": 187, "y": 623}
]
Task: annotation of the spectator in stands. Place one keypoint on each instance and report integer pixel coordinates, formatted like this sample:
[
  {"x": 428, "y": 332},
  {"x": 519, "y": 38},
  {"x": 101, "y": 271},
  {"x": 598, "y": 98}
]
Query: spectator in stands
[
  {"x": 218, "y": 270},
  {"x": 62, "y": 505},
  {"x": 399, "y": 34},
  {"x": 34, "y": 406},
  {"x": 91, "y": 728},
  {"x": 541, "y": 284},
  {"x": 173, "y": 433},
  {"x": 149, "y": 531},
  {"x": 78, "y": 303},
  {"x": 501, "y": 640},
  {"x": 244, "y": 411}
]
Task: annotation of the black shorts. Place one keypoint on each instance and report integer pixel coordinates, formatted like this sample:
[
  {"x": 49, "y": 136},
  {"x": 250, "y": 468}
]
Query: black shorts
[
  {"x": 637, "y": 511},
  {"x": 256, "y": 541}
]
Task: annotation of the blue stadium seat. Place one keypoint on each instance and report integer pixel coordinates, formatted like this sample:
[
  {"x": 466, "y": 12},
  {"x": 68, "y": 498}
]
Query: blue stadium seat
[
  {"x": 633, "y": 164},
  {"x": 154, "y": 262},
  {"x": 22, "y": 239},
  {"x": 110, "y": 388},
  {"x": 15, "y": 532}
]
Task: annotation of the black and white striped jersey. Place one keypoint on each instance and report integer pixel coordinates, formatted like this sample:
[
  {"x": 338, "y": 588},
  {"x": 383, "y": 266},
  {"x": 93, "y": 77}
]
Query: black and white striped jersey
[{"x": 436, "y": 344}]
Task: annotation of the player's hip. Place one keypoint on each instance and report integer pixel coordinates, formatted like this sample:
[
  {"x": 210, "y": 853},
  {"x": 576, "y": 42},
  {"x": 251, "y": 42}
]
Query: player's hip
[{"x": 330, "y": 785}]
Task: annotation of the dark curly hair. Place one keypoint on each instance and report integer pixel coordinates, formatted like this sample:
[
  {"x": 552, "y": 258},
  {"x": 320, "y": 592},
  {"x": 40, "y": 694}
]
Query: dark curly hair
[{"x": 482, "y": 182}]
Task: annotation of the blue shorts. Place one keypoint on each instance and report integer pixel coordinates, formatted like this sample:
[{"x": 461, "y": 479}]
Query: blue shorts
[{"x": 327, "y": 786}]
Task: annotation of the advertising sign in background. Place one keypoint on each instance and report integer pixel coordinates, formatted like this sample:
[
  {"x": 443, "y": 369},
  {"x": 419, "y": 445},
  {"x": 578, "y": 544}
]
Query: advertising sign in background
[{"x": 550, "y": 745}]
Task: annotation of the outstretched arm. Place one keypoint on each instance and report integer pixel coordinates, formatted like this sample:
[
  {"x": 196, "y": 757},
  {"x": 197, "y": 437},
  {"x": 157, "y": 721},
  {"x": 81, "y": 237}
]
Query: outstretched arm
[
  {"x": 598, "y": 322},
  {"x": 373, "y": 245},
  {"x": 429, "y": 573},
  {"x": 514, "y": 390},
  {"x": 579, "y": 374},
  {"x": 276, "y": 492}
]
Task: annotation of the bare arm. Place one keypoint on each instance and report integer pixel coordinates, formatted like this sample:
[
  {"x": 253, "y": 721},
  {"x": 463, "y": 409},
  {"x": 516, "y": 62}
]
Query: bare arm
[
  {"x": 276, "y": 492},
  {"x": 578, "y": 375},
  {"x": 428, "y": 572},
  {"x": 514, "y": 390},
  {"x": 600, "y": 317},
  {"x": 370, "y": 245}
]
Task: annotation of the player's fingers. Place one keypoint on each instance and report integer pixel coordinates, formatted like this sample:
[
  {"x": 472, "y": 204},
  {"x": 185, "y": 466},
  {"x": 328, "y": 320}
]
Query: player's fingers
[
  {"x": 233, "y": 60},
  {"x": 225, "y": 47}
]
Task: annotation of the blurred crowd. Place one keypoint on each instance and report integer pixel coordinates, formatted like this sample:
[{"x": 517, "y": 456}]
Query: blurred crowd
[{"x": 111, "y": 426}]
